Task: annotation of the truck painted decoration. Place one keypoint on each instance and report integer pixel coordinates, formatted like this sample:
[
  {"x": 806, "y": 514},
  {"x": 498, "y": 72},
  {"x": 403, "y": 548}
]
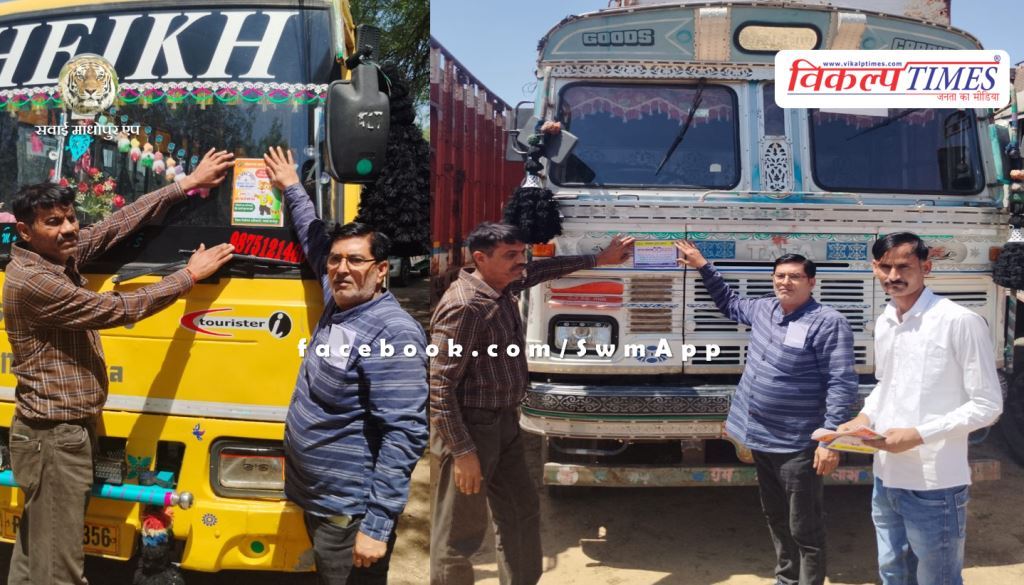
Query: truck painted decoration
[{"x": 749, "y": 183}]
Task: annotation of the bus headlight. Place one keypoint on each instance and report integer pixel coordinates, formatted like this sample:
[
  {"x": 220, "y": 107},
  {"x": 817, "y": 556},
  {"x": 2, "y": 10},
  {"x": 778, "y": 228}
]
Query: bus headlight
[{"x": 247, "y": 469}]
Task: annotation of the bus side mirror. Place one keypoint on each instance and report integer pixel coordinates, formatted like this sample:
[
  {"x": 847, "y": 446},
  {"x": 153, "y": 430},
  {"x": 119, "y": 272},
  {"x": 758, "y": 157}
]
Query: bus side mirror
[{"x": 358, "y": 121}]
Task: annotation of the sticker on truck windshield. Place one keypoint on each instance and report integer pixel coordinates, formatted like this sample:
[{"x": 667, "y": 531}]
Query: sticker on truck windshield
[{"x": 254, "y": 202}]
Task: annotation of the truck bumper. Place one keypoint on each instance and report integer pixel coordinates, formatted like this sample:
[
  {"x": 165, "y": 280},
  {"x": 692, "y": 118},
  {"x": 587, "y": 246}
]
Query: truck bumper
[
  {"x": 216, "y": 533},
  {"x": 643, "y": 414},
  {"x": 566, "y": 474}
]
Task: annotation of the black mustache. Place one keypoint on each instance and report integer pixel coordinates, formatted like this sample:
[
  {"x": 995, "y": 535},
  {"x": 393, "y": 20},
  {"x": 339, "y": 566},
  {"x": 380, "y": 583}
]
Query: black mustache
[{"x": 893, "y": 282}]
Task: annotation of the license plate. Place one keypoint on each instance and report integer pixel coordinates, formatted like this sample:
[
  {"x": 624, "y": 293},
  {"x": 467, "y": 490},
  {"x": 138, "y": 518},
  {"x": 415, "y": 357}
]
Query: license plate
[{"x": 97, "y": 538}]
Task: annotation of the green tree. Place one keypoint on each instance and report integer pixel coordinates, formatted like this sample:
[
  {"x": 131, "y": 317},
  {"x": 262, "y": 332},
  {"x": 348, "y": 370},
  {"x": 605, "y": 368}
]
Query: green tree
[{"x": 405, "y": 39}]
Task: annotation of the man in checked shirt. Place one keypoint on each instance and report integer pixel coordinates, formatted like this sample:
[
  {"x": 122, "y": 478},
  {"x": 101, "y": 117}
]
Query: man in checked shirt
[
  {"x": 474, "y": 401},
  {"x": 51, "y": 323}
]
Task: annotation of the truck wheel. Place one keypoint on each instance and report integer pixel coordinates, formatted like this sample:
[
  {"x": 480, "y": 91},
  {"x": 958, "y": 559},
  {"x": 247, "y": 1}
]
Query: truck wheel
[{"x": 1012, "y": 421}]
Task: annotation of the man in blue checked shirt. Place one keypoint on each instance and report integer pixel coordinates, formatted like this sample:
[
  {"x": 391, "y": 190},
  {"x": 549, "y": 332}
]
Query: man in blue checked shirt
[
  {"x": 357, "y": 423},
  {"x": 799, "y": 376}
]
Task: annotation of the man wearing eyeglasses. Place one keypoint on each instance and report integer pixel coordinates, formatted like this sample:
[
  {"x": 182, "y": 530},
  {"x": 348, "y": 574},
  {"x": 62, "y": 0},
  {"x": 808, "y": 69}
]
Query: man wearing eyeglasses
[
  {"x": 798, "y": 376},
  {"x": 357, "y": 424}
]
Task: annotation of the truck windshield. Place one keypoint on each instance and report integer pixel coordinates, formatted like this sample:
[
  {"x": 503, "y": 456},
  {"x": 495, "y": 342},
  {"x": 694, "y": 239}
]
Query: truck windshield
[
  {"x": 220, "y": 90},
  {"x": 624, "y": 132},
  {"x": 925, "y": 151}
]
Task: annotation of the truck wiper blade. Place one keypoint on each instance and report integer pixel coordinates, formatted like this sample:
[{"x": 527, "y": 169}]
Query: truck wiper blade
[
  {"x": 886, "y": 122},
  {"x": 686, "y": 126}
]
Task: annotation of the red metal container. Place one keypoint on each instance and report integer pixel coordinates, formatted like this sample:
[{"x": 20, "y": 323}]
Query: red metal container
[{"x": 470, "y": 178}]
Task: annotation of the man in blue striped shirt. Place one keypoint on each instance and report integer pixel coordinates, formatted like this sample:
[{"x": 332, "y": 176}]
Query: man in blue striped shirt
[
  {"x": 799, "y": 376},
  {"x": 357, "y": 423}
]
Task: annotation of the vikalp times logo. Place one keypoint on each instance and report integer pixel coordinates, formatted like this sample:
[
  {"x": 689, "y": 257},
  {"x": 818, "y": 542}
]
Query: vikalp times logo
[{"x": 892, "y": 79}]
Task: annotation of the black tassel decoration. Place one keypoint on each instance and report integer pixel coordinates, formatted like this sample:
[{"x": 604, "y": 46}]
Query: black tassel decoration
[
  {"x": 533, "y": 208},
  {"x": 1008, "y": 270},
  {"x": 534, "y": 211},
  {"x": 398, "y": 203}
]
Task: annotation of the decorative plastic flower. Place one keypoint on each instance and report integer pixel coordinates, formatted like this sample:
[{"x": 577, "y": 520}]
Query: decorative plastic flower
[{"x": 97, "y": 195}]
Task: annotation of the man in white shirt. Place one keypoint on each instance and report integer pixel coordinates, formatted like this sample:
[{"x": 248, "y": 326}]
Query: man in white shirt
[{"x": 937, "y": 382}]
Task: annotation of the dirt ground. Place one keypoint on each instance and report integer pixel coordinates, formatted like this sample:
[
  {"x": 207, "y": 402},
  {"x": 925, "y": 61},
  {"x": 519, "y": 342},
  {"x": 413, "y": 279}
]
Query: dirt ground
[
  {"x": 705, "y": 536},
  {"x": 686, "y": 536}
]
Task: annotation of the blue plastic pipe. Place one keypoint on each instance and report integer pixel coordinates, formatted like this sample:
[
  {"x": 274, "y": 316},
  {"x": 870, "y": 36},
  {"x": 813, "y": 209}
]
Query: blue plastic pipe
[{"x": 144, "y": 494}]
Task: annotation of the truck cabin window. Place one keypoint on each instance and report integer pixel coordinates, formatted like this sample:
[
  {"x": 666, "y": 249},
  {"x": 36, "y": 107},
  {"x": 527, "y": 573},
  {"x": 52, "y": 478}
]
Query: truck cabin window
[
  {"x": 626, "y": 132},
  {"x": 926, "y": 151}
]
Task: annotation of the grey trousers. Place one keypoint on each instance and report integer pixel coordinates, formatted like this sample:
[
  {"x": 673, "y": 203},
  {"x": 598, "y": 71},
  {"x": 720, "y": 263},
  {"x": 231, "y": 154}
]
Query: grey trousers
[
  {"x": 459, "y": 521},
  {"x": 52, "y": 463}
]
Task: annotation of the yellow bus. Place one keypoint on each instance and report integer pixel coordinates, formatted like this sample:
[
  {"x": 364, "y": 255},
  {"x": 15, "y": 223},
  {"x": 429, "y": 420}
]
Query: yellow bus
[{"x": 198, "y": 392}]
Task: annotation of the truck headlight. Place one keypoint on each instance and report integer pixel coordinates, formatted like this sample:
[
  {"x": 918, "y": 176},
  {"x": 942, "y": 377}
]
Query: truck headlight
[
  {"x": 594, "y": 331},
  {"x": 243, "y": 469}
]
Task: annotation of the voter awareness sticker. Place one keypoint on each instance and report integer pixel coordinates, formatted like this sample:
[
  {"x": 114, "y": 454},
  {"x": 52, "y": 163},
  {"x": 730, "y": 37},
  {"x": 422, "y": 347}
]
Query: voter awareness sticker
[{"x": 254, "y": 201}]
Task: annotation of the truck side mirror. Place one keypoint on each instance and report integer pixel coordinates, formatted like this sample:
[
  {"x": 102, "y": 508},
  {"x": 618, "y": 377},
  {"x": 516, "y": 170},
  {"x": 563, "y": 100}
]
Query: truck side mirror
[
  {"x": 514, "y": 152},
  {"x": 557, "y": 147},
  {"x": 358, "y": 121}
]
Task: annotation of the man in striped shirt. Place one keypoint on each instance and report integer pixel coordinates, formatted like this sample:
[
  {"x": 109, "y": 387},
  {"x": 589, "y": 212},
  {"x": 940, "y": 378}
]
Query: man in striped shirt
[
  {"x": 51, "y": 321},
  {"x": 357, "y": 423},
  {"x": 799, "y": 376},
  {"x": 476, "y": 385}
]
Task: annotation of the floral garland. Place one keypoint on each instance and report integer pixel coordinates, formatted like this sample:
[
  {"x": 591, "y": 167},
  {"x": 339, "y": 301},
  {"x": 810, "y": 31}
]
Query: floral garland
[{"x": 174, "y": 94}]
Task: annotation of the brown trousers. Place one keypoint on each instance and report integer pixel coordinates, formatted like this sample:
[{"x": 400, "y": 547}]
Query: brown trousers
[
  {"x": 52, "y": 463},
  {"x": 459, "y": 522}
]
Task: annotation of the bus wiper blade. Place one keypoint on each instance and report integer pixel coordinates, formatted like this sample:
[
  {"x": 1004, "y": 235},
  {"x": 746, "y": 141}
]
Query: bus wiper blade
[
  {"x": 246, "y": 258},
  {"x": 886, "y": 122},
  {"x": 686, "y": 126},
  {"x": 131, "y": 274},
  {"x": 264, "y": 261}
]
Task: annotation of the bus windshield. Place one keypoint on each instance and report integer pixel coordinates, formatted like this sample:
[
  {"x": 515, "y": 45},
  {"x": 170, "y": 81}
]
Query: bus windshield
[
  {"x": 625, "y": 132},
  {"x": 215, "y": 84}
]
